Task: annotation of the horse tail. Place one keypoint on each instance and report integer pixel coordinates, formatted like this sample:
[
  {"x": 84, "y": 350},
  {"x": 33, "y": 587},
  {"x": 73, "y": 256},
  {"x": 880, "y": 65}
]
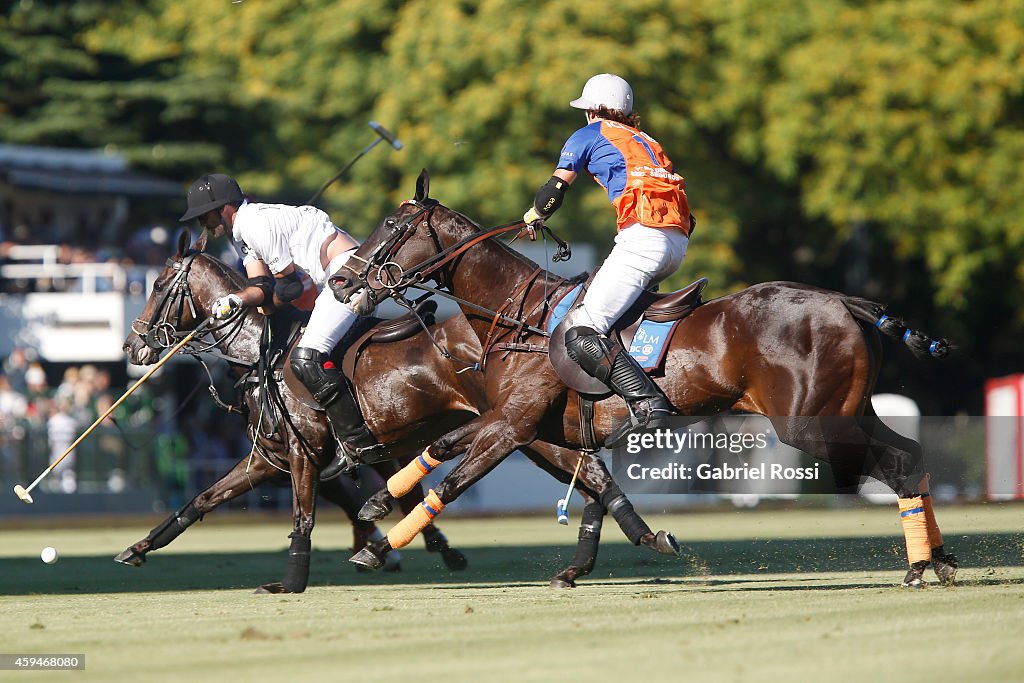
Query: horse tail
[{"x": 873, "y": 313}]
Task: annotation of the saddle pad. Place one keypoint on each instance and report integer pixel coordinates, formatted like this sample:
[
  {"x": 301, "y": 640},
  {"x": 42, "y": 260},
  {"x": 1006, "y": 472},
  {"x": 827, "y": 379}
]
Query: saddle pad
[
  {"x": 650, "y": 343},
  {"x": 562, "y": 307}
]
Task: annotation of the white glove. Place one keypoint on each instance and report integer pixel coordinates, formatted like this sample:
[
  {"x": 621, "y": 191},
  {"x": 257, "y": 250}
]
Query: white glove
[
  {"x": 532, "y": 216},
  {"x": 225, "y": 305}
]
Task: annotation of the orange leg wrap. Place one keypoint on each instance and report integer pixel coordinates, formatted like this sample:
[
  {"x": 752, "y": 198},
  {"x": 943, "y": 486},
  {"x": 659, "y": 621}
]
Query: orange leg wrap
[
  {"x": 402, "y": 533},
  {"x": 915, "y": 530},
  {"x": 934, "y": 535},
  {"x": 402, "y": 481}
]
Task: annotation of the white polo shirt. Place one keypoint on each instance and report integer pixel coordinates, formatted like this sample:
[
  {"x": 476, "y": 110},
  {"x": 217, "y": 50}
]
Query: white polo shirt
[{"x": 280, "y": 235}]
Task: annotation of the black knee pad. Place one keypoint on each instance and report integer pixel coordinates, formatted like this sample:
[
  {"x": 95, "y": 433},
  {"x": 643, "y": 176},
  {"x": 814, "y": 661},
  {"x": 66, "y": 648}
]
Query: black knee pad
[
  {"x": 590, "y": 351},
  {"x": 308, "y": 366}
]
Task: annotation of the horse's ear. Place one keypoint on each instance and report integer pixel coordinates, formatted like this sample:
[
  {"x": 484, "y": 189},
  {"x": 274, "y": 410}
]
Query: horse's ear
[
  {"x": 422, "y": 186},
  {"x": 184, "y": 241},
  {"x": 200, "y": 244}
]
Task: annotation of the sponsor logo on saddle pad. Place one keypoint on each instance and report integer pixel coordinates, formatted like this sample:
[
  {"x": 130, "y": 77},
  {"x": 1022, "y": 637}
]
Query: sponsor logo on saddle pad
[{"x": 648, "y": 342}]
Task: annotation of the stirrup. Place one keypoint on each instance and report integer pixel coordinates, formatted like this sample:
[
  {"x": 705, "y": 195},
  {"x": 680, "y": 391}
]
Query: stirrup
[
  {"x": 653, "y": 418},
  {"x": 343, "y": 462}
]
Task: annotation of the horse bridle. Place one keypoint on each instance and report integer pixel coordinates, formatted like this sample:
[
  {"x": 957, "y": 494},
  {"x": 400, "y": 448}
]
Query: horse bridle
[
  {"x": 391, "y": 277},
  {"x": 162, "y": 331},
  {"x": 394, "y": 279}
]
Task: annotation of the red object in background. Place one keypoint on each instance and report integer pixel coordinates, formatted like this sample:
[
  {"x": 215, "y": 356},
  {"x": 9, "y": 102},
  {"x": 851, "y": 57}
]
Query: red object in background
[{"x": 1004, "y": 438}]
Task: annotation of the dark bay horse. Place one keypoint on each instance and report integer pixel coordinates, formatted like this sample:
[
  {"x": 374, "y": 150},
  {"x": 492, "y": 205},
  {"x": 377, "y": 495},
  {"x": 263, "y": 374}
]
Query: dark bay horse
[
  {"x": 788, "y": 351},
  {"x": 409, "y": 393}
]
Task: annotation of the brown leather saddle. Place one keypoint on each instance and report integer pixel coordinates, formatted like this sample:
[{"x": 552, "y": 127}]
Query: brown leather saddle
[
  {"x": 365, "y": 332},
  {"x": 671, "y": 307}
]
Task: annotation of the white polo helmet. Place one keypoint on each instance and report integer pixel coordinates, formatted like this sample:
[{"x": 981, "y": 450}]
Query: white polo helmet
[{"x": 608, "y": 90}]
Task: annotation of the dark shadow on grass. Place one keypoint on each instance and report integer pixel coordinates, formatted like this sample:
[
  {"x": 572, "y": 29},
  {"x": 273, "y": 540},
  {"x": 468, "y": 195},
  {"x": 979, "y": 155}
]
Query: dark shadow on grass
[{"x": 505, "y": 566}]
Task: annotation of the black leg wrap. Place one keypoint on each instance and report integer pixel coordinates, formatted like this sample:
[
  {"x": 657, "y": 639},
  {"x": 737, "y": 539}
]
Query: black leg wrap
[
  {"x": 434, "y": 539},
  {"x": 297, "y": 575},
  {"x": 622, "y": 510},
  {"x": 589, "y": 538},
  {"x": 173, "y": 526}
]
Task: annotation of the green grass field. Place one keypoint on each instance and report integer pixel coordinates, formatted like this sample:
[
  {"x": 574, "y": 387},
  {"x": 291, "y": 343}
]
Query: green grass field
[{"x": 758, "y": 595}]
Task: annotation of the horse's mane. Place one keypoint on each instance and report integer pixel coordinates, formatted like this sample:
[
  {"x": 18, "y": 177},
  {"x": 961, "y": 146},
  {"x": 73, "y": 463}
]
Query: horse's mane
[{"x": 234, "y": 278}]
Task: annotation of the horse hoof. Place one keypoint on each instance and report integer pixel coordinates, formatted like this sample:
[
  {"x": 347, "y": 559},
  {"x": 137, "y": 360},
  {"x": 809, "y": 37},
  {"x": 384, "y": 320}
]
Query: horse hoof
[
  {"x": 393, "y": 561},
  {"x": 276, "y": 588},
  {"x": 376, "y": 508},
  {"x": 454, "y": 559},
  {"x": 366, "y": 558},
  {"x": 131, "y": 558},
  {"x": 666, "y": 544},
  {"x": 914, "y": 578},
  {"x": 562, "y": 582},
  {"x": 945, "y": 567}
]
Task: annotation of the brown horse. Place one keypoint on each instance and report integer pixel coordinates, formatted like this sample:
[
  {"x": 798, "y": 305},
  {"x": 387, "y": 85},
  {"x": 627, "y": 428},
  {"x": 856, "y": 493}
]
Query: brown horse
[
  {"x": 791, "y": 352},
  {"x": 409, "y": 392}
]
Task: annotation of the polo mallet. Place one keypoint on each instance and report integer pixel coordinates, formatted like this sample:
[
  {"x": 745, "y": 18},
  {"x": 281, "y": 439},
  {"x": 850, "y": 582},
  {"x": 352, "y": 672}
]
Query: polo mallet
[
  {"x": 383, "y": 134},
  {"x": 562, "y": 509},
  {"x": 25, "y": 493}
]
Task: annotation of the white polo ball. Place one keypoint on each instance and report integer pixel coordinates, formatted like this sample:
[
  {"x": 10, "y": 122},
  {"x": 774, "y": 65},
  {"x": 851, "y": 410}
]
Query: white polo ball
[{"x": 49, "y": 555}]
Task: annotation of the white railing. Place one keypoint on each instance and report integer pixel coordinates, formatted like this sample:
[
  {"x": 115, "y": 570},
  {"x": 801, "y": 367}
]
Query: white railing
[
  {"x": 40, "y": 263},
  {"x": 69, "y": 312}
]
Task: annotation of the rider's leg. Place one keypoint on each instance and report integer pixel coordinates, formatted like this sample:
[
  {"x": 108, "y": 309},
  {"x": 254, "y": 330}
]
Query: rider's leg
[
  {"x": 310, "y": 361},
  {"x": 606, "y": 360},
  {"x": 641, "y": 256}
]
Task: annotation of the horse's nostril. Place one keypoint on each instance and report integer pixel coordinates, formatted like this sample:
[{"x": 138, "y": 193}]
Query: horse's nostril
[{"x": 339, "y": 284}]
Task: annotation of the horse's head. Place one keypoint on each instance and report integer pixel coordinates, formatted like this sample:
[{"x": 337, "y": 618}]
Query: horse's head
[
  {"x": 421, "y": 241},
  {"x": 182, "y": 297}
]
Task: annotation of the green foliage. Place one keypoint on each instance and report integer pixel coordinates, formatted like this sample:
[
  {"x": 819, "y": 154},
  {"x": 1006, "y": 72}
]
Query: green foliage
[{"x": 865, "y": 145}]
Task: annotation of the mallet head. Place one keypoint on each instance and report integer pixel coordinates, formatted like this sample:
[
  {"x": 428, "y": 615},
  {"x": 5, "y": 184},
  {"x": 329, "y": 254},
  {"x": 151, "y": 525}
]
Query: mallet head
[
  {"x": 562, "y": 510},
  {"x": 387, "y": 135},
  {"x": 20, "y": 492}
]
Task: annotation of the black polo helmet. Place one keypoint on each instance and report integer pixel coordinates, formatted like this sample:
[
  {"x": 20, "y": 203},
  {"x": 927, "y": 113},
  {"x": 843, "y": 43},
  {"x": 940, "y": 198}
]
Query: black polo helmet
[{"x": 211, "y": 192}]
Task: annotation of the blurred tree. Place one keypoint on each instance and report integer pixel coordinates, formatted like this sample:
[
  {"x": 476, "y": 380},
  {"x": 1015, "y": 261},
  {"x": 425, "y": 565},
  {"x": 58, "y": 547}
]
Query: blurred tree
[
  {"x": 63, "y": 87},
  {"x": 865, "y": 145}
]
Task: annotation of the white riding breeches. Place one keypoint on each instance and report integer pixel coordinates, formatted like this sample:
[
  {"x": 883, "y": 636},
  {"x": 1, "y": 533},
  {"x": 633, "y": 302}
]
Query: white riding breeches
[
  {"x": 330, "y": 319},
  {"x": 641, "y": 256}
]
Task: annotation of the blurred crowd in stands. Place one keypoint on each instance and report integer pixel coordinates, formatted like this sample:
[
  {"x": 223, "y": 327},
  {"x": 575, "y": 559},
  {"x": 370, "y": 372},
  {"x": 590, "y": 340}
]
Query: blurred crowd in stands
[
  {"x": 60, "y": 266},
  {"x": 152, "y": 439},
  {"x": 149, "y": 441}
]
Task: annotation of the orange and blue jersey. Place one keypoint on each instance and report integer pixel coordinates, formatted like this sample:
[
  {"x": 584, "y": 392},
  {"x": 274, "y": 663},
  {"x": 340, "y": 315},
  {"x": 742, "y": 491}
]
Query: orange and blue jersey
[{"x": 635, "y": 171}]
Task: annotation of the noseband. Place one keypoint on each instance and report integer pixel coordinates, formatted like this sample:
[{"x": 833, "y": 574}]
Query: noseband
[
  {"x": 379, "y": 265},
  {"x": 163, "y": 330}
]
